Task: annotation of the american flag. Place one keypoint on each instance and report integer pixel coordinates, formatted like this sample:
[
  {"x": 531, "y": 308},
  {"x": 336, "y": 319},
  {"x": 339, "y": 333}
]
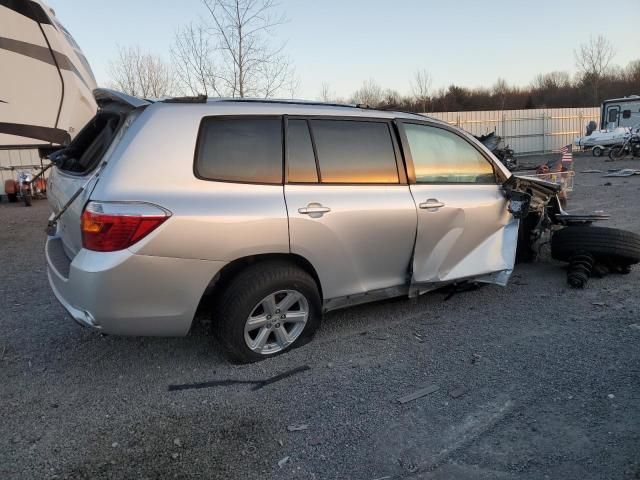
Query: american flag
[{"x": 567, "y": 153}]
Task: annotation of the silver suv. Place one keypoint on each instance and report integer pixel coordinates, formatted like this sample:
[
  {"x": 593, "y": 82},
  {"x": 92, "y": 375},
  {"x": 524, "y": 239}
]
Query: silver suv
[{"x": 278, "y": 211}]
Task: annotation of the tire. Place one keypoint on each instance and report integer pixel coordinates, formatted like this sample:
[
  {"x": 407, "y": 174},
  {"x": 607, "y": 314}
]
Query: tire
[
  {"x": 607, "y": 245},
  {"x": 13, "y": 198},
  {"x": 597, "y": 151},
  {"x": 243, "y": 297},
  {"x": 27, "y": 200},
  {"x": 615, "y": 153}
]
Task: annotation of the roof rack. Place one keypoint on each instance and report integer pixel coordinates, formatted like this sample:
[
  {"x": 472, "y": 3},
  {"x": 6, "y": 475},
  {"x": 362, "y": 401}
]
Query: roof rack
[{"x": 286, "y": 101}]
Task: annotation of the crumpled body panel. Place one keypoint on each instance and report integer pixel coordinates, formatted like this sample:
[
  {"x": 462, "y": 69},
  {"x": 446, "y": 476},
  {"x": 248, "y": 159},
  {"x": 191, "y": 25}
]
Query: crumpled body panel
[{"x": 472, "y": 236}]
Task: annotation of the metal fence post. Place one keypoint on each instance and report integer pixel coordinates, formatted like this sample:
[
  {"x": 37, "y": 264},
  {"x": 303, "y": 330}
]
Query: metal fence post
[{"x": 544, "y": 133}]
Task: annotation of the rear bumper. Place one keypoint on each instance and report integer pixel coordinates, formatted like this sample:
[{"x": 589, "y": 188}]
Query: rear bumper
[{"x": 127, "y": 294}]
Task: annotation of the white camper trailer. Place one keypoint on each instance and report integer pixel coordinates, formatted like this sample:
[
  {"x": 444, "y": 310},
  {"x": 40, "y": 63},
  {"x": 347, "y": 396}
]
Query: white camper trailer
[
  {"x": 620, "y": 112},
  {"x": 46, "y": 82}
]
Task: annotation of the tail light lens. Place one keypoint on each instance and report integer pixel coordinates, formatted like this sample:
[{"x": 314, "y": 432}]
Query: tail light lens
[{"x": 111, "y": 226}]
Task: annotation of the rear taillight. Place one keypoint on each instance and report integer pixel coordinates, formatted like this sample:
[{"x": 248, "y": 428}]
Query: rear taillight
[{"x": 111, "y": 226}]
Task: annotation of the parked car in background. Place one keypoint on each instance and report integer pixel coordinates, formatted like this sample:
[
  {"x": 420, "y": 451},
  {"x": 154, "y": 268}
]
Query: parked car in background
[{"x": 277, "y": 210}]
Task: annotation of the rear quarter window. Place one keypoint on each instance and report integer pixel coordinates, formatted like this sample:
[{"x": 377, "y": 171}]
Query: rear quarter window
[{"x": 244, "y": 150}]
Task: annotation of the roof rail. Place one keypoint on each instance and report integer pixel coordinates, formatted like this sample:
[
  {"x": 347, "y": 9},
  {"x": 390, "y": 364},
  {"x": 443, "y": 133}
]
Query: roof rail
[
  {"x": 193, "y": 99},
  {"x": 286, "y": 102}
]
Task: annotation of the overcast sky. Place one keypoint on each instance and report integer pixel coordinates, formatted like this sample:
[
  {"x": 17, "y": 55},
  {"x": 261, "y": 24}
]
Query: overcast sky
[{"x": 344, "y": 42}]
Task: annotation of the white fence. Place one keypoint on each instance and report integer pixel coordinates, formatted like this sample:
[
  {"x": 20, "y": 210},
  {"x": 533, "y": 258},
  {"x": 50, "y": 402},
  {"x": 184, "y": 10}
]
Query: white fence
[{"x": 532, "y": 131}]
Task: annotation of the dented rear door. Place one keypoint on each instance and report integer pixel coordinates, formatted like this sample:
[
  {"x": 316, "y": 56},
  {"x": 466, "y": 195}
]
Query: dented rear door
[{"x": 464, "y": 227}]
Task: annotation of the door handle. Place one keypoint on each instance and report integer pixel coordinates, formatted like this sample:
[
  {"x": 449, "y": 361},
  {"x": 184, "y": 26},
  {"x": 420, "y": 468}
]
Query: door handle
[
  {"x": 432, "y": 203},
  {"x": 314, "y": 209}
]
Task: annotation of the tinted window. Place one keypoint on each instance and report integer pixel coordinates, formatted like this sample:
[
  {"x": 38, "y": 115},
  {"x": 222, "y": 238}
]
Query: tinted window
[
  {"x": 301, "y": 162},
  {"x": 354, "y": 152},
  {"x": 240, "y": 150},
  {"x": 613, "y": 115},
  {"x": 440, "y": 156},
  {"x": 626, "y": 114}
]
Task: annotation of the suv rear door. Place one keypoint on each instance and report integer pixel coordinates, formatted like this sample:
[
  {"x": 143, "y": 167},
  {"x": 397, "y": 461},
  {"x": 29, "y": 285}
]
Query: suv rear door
[
  {"x": 75, "y": 164},
  {"x": 351, "y": 213},
  {"x": 464, "y": 227}
]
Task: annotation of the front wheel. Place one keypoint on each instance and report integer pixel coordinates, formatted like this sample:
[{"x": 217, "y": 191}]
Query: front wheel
[
  {"x": 26, "y": 197},
  {"x": 267, "y": 309},
  {"x": 615, "y": 153},
  {"x": 597, "y": 151}
]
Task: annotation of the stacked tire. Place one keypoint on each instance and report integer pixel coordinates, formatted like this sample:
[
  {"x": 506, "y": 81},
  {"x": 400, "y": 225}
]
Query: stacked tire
[{"x": 598, "y": 250}]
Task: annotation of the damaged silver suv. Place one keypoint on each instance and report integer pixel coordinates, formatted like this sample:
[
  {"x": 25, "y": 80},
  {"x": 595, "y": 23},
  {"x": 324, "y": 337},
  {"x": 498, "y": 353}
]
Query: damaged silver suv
[{"x": 278, "y": 211}]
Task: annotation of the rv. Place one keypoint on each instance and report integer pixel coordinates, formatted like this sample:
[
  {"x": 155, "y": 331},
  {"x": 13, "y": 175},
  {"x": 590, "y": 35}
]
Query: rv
[
  {"x": 620, "y": 112},
  {"x": 46, "y": 83}
]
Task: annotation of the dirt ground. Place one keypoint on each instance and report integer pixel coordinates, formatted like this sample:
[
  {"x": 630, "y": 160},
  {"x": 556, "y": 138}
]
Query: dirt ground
[{"x": 530, "y": 381}]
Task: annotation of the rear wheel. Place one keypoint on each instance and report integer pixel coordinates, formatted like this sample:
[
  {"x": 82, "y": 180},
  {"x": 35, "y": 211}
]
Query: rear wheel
[{"x": 267, "y": 309}]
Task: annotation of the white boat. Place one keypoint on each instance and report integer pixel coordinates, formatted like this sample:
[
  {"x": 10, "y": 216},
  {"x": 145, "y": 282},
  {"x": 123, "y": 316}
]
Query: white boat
[{"x": 603, "y": 138}]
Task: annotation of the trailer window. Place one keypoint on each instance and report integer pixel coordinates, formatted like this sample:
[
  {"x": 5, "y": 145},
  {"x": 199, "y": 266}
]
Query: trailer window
[
  {"x": 626, "y": 114},
  {"x": 613, "y": 115}
]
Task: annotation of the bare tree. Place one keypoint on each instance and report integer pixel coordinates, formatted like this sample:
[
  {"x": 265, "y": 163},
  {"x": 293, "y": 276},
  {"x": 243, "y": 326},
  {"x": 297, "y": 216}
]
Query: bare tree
[
  {"x": 593, "y": 59},
  {"x": 230, "y": 52},
  {"x": 192, "y": 55},
  {"x": 551, "y": 80},
  {"x": 141, "y": 74},
  {"x": 420, "y": 87},
  {"x": 500, "y": 90},
  {"x": 370, "y": 93},
  {"x": 326, "y": 95}
]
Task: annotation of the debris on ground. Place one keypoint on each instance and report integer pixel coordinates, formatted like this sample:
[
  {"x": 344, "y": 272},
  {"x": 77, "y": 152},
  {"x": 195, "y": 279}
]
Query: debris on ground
[
  {"x": 611, "y": 396},
  {"x": 297, "y": 428},
  {"x": 475, "y": 357},
  {"x": 419, "y": 393},
  {"x": 623, "y": 172},
  {"x": 635, "y": 326},
  {"x": 177, "y": 442},
  {"x": 457, "y": 392},
  {"x": 591, "y": 170},
  {"x": 598, "y": 304},
  {"x": 284, "y": 461},
  {"x": 175, "y": 456}
]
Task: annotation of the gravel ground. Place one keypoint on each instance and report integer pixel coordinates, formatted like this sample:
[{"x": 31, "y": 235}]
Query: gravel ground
[{"x": 534, "y": 381}]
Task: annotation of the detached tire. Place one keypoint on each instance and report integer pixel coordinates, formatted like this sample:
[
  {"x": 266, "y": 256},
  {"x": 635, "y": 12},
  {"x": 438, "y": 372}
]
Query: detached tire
[
  {"x": 267, "y": 309},
  {"x": 609, "y": 245}
]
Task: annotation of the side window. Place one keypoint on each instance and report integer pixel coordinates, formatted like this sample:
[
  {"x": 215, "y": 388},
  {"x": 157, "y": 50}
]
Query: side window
[
  {"x": 440, "y": 156},
  {"x": 301, "y": 162},
  {"x": 240, "y": 150},
  {"x": 354, "y": 151},
  {"x": 613, "y": 115},
  {"x": 626, "y": 114}
]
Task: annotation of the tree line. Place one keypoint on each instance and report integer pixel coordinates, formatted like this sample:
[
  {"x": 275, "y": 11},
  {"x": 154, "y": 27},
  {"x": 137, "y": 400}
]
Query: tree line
[{"x": 229, "y": 52}]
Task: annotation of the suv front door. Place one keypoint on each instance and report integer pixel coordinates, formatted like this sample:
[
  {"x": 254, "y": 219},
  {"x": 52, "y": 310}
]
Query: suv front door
[
  {"x": 464, "y": 227},
  {"x": 351, "y": 213}
]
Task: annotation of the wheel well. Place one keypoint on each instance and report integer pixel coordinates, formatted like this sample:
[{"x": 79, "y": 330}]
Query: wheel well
[{"x": 230, "y": 270}]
